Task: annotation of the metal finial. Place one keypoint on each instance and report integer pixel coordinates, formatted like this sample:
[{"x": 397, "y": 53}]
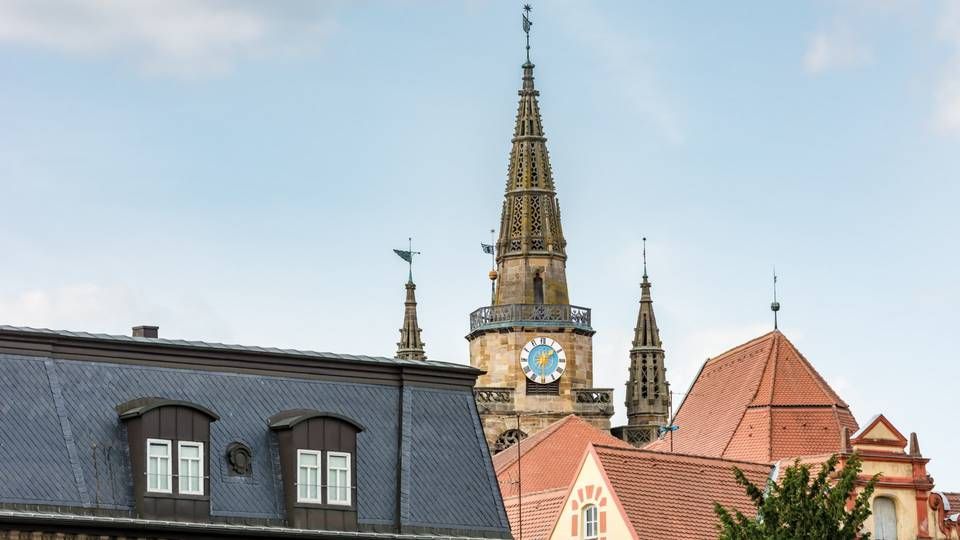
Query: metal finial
[
  {"x": 527, "y": 23},
  {"x": 775, "y": 306},
  {"x": 644, "y": 256}
]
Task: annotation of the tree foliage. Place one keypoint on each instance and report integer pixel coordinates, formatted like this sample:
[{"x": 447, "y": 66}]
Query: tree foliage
[{"x": 798, "y": 508}]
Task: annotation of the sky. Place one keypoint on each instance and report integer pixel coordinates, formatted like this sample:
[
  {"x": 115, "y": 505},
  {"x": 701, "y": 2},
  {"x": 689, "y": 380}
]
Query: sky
[{"x": 240, "y": 172}]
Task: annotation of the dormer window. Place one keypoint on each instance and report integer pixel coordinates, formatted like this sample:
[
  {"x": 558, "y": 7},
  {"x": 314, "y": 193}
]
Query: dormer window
[
  {"x": 169, "y": 456},
  {"x": 318, "y": 463},
  {"x": 159, "y": 471},
  {"x": 190, "y": 474},
  {"x": 338, "y": 478},
  {"x": 308, "y": 478}
]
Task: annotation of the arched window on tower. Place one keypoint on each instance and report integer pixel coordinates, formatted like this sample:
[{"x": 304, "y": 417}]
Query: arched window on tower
[
  {"x": 884, "y": 518},
  {"x": 537, "y": 289}
]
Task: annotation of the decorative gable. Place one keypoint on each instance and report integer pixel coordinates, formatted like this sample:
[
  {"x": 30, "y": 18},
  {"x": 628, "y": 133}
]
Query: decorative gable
[{"x": 880, "y": 432}]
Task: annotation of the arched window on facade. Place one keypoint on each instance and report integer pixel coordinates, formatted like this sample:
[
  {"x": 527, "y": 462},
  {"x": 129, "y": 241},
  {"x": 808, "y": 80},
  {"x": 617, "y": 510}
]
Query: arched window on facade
[
  {"x": 884, "y": 519},
  {"x": 591, "y": 523},
  {"x": 537, "y": 289}
]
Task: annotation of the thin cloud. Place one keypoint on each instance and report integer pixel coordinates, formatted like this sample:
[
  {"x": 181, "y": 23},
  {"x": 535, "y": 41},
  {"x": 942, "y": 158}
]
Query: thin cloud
[
  {"x": 192, "y": 38},
  {"x": 628, "y": 63},
  {"x": 835, "y": 49},
  {"x": 947, "y": 114}
]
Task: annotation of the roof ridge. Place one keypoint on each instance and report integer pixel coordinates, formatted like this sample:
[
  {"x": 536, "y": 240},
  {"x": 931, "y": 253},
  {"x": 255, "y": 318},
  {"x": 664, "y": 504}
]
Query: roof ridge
[
  {"x": 766, "y": 366},
  {"x": 742, "y": 346},
  {"x": 603, "y": 447}
]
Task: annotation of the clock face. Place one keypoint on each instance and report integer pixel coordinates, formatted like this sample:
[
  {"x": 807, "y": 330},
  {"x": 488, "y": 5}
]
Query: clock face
[{"x": 543, "y": 360}]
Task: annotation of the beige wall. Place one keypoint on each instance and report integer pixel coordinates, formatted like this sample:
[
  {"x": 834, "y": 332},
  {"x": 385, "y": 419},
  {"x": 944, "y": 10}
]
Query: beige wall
[
  {"x": 498, "y": 353},
  {"x": 515, "y": 281},
  {"x": 588, "y": 483}
]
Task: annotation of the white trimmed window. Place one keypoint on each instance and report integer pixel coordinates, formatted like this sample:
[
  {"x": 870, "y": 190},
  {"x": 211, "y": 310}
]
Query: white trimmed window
[
  {"x": 190, "y": 473},
  {"x": 308, "y": 476},
  {"x": 591, "y": 529},
  {"x": 338, "y": 478},
  {"x": 159, "y": 473}
]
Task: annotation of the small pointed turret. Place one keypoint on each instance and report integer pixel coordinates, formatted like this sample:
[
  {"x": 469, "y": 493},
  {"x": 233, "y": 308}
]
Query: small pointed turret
[
  {"x": 410, "y": 347},
  {"x": 648, "y": 392}
]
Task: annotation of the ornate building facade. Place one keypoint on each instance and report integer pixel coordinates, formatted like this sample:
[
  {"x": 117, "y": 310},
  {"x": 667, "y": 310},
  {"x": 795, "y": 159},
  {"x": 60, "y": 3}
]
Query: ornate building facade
[{"x": 535, "y": 347}]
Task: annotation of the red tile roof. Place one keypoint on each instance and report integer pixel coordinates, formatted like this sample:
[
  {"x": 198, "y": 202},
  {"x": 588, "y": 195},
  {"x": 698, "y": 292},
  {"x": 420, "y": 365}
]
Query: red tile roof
[
  {"x": 540, "y": 513},
  {"x": 759, "y": 402},
  {"x": 953, "y": 499},
  {"x": 550, "y": 458},
  {"x": 671, "y": 496}
]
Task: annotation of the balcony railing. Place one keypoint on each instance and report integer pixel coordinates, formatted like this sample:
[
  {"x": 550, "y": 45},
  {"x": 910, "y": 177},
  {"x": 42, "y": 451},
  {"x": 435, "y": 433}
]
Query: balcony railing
[
  {"x": 535, "y": 314},
  {"x": 589, "y": 401}
]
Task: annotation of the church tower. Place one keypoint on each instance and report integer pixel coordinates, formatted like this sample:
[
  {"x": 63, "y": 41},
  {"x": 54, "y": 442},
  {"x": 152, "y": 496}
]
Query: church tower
[
  {"x": 410, "y": 347},
  {"x": 535, "y": 347},
  {"x": 648, "y": 392}
]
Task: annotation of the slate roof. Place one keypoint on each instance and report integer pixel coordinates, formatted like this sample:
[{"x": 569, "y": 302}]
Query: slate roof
[
  {"x": 62, "y": 444},
  {"x": 671, "y": 495},
  {"x": 550, "y": 458},
  {"x": 212, "y": 346},
  {"x": 760, "y": 402}
]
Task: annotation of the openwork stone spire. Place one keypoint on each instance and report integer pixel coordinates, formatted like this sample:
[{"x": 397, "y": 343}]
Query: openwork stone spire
[
  {"x": 648, "y": 392},
  {"x": 530, "y": 221},
  {"x": 410, "y": 346}
]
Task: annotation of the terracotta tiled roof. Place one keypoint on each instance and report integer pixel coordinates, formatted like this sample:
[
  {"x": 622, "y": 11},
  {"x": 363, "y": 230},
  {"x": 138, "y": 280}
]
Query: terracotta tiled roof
[
  {"x": 760, "y": 401},
  {"x": 540, "y": 513},
  {"x": 671, "y": 496},
  {"x": 550, "y": 458},
  {"x": 954, "y": 500}
]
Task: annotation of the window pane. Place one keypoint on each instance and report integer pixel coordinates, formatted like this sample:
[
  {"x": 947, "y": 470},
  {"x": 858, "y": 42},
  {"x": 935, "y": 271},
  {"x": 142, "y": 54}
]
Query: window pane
[
  {"x": 158, "y": 449},
  {"x": 308, "y": 460},
  {"x": 314, "y": 483},
  {"x": 152, "y": 474},
  {"x": 302, "y": 484},
  {"x": 337, "y": 462},
  {"x": 189, "y": 451}
]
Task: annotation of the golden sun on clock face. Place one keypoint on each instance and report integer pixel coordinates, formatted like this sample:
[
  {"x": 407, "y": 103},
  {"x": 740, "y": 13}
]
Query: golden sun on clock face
[{"x": 543, "y": 360}]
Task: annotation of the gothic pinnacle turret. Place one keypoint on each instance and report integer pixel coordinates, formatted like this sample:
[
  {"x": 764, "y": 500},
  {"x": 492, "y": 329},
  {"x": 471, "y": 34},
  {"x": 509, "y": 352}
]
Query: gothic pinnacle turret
[
  {"x": 648, "y": 392},
  {"x": 410, "y": 347}
]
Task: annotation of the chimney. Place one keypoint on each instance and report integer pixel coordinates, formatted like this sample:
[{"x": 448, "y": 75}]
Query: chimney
[{"x": 146, "y": 331}]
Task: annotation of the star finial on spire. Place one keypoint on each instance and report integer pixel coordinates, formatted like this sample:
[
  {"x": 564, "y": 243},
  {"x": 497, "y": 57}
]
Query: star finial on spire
[
  {"x": 527, "y": 23},
  {"x": 775, "y": 306}
]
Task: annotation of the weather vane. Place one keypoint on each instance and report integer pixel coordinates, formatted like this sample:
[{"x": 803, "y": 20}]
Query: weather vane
[
  {"x": 527, "y": 23},
  {"x": 407, "y": 255}
]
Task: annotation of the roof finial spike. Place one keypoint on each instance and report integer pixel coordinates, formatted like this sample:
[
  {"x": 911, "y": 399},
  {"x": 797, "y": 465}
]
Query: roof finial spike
[
  {"x": 644, "y": 256},
  {"x": 527, "y": 23},
  {"x": 775, "y": 306}
]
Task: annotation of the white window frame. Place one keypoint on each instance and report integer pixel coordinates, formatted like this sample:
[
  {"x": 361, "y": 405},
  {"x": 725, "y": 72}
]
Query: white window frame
[
  {"x": 169, "y": 458},
  {"x": 596, "y": 522},
  {"x": 180, "y": 476},
  {"x": 349, "y": 475},
  {"x": 319, "y": 467}
]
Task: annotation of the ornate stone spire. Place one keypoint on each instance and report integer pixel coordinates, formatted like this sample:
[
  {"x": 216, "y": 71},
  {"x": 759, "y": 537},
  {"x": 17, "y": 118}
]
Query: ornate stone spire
[
  {"x": 530, "y": 221},
  {"x": 410, "y": 347},
  {"x": 648, "y": 392}
]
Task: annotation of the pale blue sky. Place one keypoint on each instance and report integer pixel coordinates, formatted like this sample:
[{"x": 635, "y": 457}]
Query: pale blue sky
[{"x": 240, "y": 171}]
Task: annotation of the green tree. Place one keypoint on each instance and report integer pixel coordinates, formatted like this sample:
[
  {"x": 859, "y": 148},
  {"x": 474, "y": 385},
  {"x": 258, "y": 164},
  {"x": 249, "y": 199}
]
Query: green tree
[{"x": 799, "y": 508}]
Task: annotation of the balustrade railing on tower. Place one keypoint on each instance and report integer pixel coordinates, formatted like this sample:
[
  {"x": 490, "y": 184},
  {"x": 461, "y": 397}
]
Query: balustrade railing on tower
[{"x": 506, "y": 314}]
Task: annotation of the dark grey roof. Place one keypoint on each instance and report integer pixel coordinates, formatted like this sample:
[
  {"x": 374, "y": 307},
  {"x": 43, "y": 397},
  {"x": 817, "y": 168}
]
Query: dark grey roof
[
  {"x": 204, "y": 345},
  {"x": 62, "y": 444}
]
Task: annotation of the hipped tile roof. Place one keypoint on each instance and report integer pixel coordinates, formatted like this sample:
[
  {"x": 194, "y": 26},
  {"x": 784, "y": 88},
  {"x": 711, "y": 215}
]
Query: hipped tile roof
[
  {"x": 550, "y": 458},
  {"x": 672, "y": 495},
  {"x": 759, "y": 402}
]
